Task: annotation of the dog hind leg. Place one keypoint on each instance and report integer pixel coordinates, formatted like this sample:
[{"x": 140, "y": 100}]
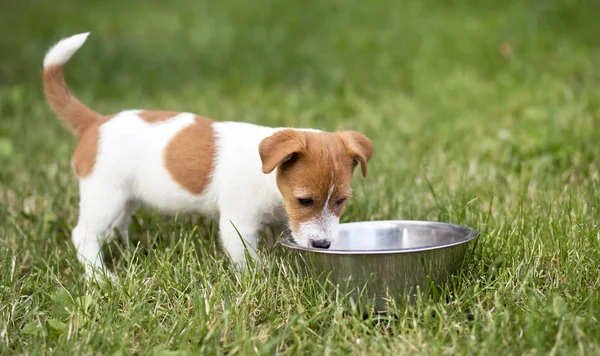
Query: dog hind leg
[{"x": 100, "y": 210}]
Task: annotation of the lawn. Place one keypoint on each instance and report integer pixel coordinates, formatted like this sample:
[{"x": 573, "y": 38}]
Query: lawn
[{"x": 482, "y": 113}]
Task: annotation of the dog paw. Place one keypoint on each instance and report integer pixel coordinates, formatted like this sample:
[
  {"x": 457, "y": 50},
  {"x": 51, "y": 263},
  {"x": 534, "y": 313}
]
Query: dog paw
[{"x": 100, "y": 276}]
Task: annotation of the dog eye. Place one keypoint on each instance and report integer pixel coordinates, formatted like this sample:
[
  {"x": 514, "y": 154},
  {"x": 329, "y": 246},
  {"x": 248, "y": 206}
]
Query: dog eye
[
  {"x": 340, "y": 201},
  {"x": 305, "y": 201}
]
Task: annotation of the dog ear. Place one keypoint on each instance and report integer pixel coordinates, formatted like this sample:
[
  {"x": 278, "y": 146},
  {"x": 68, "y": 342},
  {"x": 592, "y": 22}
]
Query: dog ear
[
  {"x": 279, "y": 148},
  {"x": 359, "y": 148}
]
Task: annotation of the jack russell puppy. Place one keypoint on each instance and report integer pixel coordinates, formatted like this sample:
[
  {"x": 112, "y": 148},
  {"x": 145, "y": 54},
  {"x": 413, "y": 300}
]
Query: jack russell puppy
[{"x": 244, "y": 175}]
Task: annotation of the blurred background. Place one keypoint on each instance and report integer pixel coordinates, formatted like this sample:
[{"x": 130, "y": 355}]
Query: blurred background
[
  {"x": 457, "y": 91},
  {"x": 484, "y": 113}
]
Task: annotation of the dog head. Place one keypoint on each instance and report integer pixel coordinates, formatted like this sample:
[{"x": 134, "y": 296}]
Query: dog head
[{"x": 314, "y": 176}]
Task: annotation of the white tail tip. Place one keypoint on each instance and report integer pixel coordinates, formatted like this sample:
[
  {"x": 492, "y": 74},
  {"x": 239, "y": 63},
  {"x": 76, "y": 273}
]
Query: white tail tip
[{"x": 62, "y": 51}]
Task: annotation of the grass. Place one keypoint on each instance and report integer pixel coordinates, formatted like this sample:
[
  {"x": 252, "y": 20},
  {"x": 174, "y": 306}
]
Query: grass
[{"x": 482, "y": 113}]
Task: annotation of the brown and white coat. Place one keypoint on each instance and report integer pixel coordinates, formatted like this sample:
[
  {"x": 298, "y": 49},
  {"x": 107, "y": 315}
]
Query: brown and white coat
[{"x": 244, "y": 175}]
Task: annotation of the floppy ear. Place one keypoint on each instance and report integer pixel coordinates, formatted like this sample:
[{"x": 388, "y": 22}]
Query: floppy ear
[
  {"x": 279, "y": 148},
  {"x": 359, "y": 147}
]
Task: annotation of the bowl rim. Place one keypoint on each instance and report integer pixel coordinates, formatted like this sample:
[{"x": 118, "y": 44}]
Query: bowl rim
[{"x": 471, "y": 235}]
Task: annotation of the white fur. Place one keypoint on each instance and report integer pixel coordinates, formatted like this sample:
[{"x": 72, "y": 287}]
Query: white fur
[
  {"x": 62, "y": 51},
  {"x": 129, "y": 170},
  {"x": 324, "y": 227}
]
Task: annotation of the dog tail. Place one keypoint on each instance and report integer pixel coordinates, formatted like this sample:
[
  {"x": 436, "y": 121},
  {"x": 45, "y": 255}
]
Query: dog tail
[{"x": 76, "y": 114}]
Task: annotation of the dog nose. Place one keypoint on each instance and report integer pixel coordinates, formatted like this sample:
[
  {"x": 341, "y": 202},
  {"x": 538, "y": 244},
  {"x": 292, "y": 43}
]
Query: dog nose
[{"x": 320, "y": 243}]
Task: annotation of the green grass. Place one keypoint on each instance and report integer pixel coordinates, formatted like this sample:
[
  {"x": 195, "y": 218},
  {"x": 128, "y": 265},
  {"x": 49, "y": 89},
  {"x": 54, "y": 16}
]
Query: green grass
[{"x": 464, "y": 132}]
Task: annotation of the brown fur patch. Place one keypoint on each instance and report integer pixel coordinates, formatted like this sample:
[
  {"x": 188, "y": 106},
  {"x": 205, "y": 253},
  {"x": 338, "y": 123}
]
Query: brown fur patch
[
  {"x": 82, "y": 119},
  {"x": 84, "y": 156},
  {"x": 311, "y": 162},
  {"x": 78, "y": 116},
  {"x": 152, "y": 116},
  {"x": 359, "y": 147},
  {"x": 189, "y": 156}
]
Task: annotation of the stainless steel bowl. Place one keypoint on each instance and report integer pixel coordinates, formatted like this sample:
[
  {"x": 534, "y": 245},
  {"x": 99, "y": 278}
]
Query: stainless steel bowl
[{"x": 377, "y": 262}]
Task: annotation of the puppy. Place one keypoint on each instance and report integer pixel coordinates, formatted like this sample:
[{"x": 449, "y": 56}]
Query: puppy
[{"x": 244, "y": 175}]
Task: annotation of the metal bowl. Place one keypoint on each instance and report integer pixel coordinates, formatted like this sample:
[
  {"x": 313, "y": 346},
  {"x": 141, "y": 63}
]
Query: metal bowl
[{"x": 377, "y": 262}]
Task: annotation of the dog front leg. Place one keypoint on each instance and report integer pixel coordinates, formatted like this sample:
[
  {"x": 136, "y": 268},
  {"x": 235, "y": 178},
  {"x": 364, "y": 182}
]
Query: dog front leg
[{"x": 237, "y": 237}]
